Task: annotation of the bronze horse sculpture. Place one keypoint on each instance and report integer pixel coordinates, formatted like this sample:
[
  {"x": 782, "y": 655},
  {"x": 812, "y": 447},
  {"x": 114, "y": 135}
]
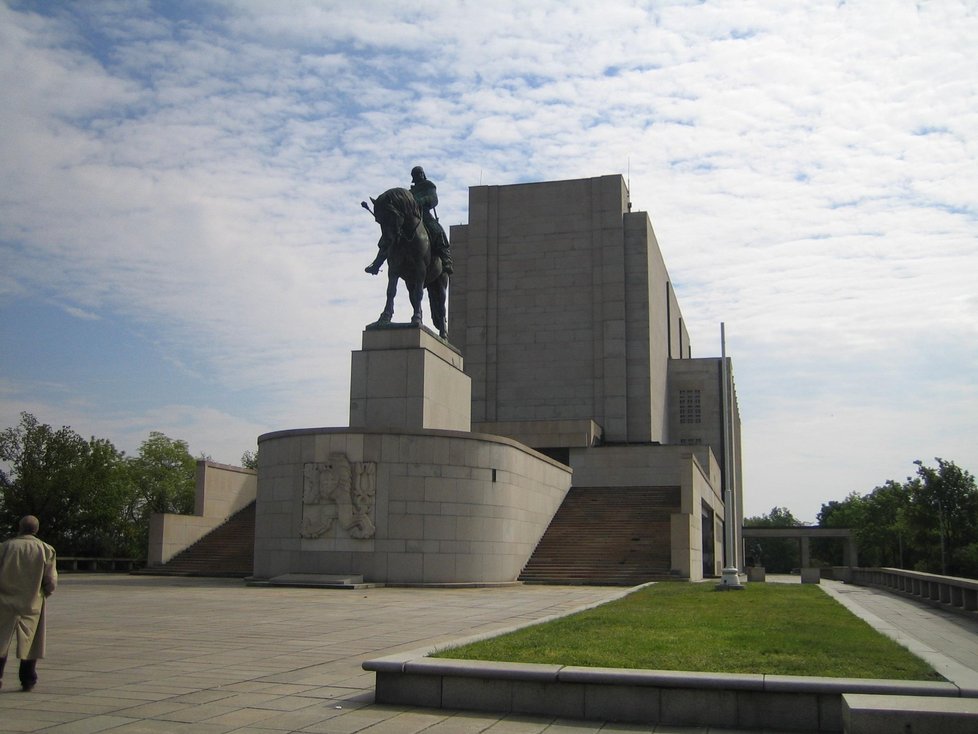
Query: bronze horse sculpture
[{"x": 409, "y": 258}]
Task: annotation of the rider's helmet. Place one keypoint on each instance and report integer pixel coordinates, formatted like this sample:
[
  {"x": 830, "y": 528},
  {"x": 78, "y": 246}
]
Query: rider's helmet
[{"x": 417, "y": 174}]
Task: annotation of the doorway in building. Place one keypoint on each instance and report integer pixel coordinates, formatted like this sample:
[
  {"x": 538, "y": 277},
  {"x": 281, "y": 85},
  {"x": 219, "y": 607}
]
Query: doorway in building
[{"x": 709, "y": 557}]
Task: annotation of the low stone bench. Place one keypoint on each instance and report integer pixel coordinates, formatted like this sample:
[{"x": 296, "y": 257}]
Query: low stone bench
[{"x": 865, "y": 713}]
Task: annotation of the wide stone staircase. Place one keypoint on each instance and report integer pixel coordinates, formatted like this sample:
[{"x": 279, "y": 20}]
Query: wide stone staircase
[
  {"x": 613, "y": 536},
  {"x": 228, "y": 550}
]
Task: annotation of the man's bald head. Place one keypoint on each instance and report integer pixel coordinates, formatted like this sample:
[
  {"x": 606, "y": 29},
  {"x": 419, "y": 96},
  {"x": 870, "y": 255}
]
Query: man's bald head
[{"x": 29, "y": 525}]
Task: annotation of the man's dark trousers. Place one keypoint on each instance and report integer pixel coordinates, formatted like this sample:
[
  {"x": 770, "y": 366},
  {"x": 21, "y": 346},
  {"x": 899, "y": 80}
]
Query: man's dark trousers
[{"x": 28, "y": 672}]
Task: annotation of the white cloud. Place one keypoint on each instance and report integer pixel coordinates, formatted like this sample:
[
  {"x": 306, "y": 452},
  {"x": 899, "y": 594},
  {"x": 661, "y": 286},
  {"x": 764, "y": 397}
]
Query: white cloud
[{"x": 810, "y": 172}]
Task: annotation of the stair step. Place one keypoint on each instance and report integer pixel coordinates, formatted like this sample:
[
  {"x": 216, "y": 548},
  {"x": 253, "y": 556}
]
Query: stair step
[
  {"x": 607, "y": 536},
  {"x": 227, "y": 550}
]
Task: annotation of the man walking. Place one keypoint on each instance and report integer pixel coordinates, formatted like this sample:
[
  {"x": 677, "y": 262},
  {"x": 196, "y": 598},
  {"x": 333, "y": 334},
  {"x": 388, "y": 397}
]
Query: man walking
[{"x": 28, "y": 575}]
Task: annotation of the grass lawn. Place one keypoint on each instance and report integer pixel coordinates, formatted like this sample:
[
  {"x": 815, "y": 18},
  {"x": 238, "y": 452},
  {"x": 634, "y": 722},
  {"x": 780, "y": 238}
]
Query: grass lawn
[{"x": 786, "y": 629}]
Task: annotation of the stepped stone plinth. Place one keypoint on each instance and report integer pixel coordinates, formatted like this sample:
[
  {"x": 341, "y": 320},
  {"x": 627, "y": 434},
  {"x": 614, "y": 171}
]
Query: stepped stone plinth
[{"x": 406, "y": 377}]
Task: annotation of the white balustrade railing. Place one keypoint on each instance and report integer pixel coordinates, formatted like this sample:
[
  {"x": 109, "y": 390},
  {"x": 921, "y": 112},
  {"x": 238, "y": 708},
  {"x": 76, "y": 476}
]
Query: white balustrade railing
[{"x": 951, "y": 592}]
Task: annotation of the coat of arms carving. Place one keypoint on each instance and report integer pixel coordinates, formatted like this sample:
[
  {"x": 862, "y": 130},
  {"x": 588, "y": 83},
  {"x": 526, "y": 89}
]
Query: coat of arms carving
[{"x": 340, "y": 493}]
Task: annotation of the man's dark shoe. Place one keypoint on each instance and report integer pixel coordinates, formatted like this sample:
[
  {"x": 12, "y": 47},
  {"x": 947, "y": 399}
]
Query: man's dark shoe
[{"x": 27, "y": 687}]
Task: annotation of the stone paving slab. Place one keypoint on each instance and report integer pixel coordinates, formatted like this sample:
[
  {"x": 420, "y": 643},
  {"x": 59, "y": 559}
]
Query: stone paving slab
[
  {"x": 171, "y": 655},
  {"x": 165, "y": 655}
]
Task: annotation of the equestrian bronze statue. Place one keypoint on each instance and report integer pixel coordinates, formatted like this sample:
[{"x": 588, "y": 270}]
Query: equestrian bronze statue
[{"x": 406, "y": 245}]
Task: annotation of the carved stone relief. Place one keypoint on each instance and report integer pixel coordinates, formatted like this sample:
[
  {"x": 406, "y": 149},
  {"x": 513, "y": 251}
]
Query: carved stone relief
[{"x": 339, "y": 493}]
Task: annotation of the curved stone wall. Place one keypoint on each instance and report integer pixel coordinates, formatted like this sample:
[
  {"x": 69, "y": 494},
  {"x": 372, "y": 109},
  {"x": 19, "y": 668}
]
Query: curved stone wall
[{"x": 409, "y": 507}]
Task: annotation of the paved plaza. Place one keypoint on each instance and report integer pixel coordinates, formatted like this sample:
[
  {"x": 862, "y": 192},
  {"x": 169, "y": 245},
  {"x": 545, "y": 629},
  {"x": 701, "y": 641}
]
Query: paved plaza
[{"x": 141, "y": 655}]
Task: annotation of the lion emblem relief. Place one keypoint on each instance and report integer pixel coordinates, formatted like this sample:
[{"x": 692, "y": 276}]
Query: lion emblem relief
[{"x": 338, "y": 492}]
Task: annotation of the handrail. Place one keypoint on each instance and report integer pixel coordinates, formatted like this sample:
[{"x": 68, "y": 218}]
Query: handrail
[{"x": 948, "y": 592}]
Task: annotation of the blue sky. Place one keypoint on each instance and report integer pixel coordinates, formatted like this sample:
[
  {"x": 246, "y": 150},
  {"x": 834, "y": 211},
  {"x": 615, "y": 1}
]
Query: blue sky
[{"x": 182, "y": 242}]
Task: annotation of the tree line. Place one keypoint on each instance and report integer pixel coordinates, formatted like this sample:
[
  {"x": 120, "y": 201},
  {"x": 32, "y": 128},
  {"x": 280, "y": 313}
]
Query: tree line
[
  {"x": 91, "y": 498},
  {"x": 927, "y": 523}
]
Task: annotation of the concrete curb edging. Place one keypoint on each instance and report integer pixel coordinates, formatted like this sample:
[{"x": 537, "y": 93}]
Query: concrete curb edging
[{"x": 748, "y": 701}]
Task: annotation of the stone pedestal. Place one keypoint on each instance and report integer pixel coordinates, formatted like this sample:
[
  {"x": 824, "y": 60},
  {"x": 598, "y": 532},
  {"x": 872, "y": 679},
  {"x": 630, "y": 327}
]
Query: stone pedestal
[
  {"x": 407, "y": 378},
  {"x": 406, "y": 494}
]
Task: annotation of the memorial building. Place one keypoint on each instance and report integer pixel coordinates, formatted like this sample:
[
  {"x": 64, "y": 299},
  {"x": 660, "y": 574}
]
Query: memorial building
[
  {"x": 563, "y": 432},
  {"x": 574, "y": 339}
]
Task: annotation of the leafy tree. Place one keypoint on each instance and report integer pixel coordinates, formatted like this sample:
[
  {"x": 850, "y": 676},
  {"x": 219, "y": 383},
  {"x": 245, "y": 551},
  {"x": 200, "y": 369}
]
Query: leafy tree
[
  {"x": 877, "y": 521},
  {"x": 845, "y": 514},
  {"x": 77, "y": 488},
  {"x": 249, "y": 459},
  {"x": 848, "y": 513},
  {"x": 929, "y": 523},
  {"x": 942, "y": 515},
  {"x": 777, "y": 555},
  {"x": 882, "y": 533},
  {"x": 778, "y": 517},
  {"x": 164, "y": 475}
]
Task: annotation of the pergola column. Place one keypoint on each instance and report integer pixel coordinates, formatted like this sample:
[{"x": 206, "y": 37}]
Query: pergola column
[{"x": 850, "y": 552}]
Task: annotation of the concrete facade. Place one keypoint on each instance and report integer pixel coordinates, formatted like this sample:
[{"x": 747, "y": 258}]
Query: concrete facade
[
  {"x": 698, "y": 390},
  {"x": 571, "y": 331},
  {"x": 563, "y": 310}
]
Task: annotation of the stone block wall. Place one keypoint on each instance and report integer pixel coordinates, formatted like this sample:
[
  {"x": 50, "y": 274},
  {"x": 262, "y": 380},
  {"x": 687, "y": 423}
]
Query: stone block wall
[
  {"x": 562, "y": 308},
  {"x": 449, "y": 507},
  {"x": 409, "y": 378}
]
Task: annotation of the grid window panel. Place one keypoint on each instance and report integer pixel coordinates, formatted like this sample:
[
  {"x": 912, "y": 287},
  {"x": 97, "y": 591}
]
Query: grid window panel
[{"x": 689, "y": 406}]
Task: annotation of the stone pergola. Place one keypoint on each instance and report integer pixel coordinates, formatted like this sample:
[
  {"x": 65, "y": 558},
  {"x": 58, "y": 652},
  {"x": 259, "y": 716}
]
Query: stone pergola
[{"x": 804, "y": 534}]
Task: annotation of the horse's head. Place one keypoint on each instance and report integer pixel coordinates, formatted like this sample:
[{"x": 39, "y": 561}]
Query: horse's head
[{"x": 397, "y": 213}]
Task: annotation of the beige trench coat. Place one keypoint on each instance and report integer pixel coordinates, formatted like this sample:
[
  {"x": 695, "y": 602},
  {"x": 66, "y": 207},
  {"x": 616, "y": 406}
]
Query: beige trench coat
[{"x": 28, "y": 574}]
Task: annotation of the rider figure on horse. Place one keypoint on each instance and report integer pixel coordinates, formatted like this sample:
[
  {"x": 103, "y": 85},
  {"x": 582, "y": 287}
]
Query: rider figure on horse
[{"x": 425, "y": 193}]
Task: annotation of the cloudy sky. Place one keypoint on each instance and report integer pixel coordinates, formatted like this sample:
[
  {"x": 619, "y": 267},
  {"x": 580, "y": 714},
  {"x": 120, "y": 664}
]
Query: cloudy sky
[{"x": 182, "y": 245}]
